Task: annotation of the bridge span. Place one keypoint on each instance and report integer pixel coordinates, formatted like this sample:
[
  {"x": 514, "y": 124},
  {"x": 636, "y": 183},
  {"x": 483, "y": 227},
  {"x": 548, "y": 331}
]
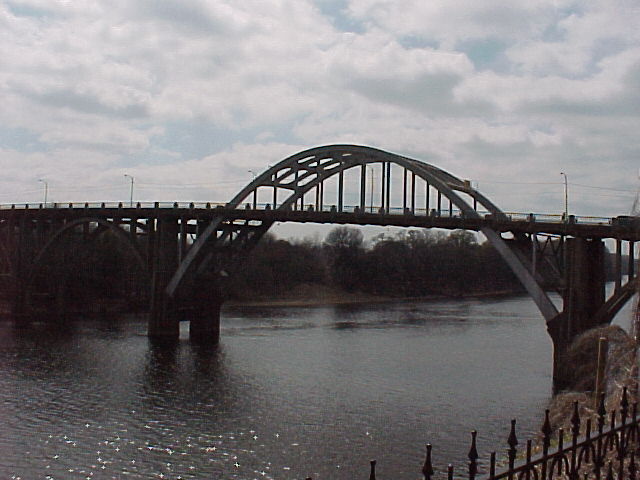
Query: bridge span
[{"x": 187, "y": 250}]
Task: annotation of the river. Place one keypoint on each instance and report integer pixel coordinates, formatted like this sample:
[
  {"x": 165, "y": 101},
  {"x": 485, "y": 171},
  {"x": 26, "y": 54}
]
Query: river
[{"x": 289, "y": 393}]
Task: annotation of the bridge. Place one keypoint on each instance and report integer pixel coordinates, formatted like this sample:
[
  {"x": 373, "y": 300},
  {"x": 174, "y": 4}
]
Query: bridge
[{"x": 186, "y": 251}]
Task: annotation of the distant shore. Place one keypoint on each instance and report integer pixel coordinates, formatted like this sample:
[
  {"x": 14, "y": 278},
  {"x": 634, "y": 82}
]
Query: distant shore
[{"x": 320, "y": 295}]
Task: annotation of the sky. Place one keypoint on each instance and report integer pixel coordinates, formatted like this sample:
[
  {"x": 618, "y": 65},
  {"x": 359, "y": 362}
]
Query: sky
[{"x": 192, "y": 97}]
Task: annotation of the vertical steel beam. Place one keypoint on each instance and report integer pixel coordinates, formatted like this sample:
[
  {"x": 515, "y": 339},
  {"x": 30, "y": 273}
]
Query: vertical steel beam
[
  {"x": 404, "y": 190},
  {"x": 183, "y": 238},
  {"x": 631, "y": 267},
  {"x": 426, "y": 196},
  {"x": 363, "y": 186},
  {"x": 340, "y": 189},
  {"x": 618, "y": 265},
  {"x": 439, "y": 202},
  {"x": 133, "y": 229},
  {"x": 295, "y": 182},
  {"x": 413, "y": 192},
  {"x": 387, "y": 208},
  {"x": 383, "y": 189}
]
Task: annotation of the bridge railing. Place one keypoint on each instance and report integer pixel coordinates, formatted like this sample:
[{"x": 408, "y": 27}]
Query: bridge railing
[
  {"x": 369, "y": 210},
  {"x": 605, "y": 448}
]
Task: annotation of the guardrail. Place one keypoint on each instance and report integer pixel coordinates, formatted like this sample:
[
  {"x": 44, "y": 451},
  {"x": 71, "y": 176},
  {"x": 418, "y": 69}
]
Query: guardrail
[{"x": 447, "y": 213}]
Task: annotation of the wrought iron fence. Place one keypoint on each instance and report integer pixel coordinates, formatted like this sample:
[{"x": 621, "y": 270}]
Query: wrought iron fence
[{"x": 606, "y": 449}]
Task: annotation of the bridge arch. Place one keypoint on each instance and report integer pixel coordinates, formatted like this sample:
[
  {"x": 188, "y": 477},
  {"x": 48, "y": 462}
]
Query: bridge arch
[
  {"x": 309, "y": 170},
  {"x": 69, "y": 227}
]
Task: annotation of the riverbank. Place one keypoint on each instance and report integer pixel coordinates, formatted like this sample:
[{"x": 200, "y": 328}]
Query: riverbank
[
  {"x": 318, "y": 295},
  {"x": 305, "y": 295},
  {"x": 621, "y": 370}
]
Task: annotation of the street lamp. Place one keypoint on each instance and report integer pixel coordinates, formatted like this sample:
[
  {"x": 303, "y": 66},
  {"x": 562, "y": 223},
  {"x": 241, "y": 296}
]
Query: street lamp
[
  {"x": 46, "y": 190},
  {"x": 131, "y": 192},
  {"x": 252, "y": 173},
  {"x": 566, "y": 197}
]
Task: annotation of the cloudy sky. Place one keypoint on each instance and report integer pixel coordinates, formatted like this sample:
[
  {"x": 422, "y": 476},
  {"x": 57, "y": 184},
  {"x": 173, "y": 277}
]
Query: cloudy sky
[{"x": 188, "y": 96}]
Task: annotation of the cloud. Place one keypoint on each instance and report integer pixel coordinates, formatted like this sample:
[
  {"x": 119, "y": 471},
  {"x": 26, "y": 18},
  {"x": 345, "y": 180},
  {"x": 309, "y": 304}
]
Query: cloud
[{"x": 195, "y": 93}]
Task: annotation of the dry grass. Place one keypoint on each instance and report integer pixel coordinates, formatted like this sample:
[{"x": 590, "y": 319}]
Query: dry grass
[{"x": 621, "y": 371}]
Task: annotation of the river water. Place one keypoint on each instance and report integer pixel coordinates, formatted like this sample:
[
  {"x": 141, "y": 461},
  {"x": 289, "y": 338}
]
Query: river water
[{"x": 289, "y": 393}]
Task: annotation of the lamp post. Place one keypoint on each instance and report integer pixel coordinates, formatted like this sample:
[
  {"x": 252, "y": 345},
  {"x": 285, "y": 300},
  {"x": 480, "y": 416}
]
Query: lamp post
[
  {"x": 252, "y": 173},
  {"x": 566, "y": 197},
  {"x": 131, "y": 191},
  {"x": 46, "y": 190}
]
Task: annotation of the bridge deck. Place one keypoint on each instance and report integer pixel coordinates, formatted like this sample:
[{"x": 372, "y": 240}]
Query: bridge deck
[{"x": 621, "y": 228}]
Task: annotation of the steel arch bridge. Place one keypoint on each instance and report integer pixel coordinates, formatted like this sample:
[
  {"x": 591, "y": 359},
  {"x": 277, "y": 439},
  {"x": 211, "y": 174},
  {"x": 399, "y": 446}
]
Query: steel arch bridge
[
  {"x": 292, "y": 181},
  {"x": 187, "y": 251}
]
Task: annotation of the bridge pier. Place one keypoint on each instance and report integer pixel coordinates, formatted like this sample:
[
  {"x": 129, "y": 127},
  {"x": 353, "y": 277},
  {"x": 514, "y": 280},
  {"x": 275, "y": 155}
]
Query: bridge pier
[
  {"x": 201, "y": 307},
  {"x": 163, "y": 317},
  {"x": 583, "y": 296},
  {"x": 204, "y": 322}
]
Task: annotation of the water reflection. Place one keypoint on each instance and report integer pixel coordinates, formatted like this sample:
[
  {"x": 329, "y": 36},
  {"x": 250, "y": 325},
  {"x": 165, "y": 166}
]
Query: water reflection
[{"x": 289, "y": 393}]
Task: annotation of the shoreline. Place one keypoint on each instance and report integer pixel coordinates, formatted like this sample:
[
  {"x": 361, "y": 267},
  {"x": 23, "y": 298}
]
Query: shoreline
[
  {"x": 323, "y": 297},
  {"x": 343, "y": 299}
]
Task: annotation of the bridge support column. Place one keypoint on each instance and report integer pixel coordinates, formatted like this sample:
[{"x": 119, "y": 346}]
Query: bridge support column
[
  {"x": 205, "y": 300},
  {"x": 584, "y": 294},
  {"x": 163, "y": 317},
  {"x": 204, "y": 325},
  {"x": 23, "y": 251}
]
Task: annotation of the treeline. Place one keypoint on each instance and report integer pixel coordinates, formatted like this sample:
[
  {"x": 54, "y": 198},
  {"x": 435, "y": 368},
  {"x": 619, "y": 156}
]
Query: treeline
[
  {"x": 77, "y": 273},
  {"x": 409, "y": 264},
  {"x": 413, "y": 263}
]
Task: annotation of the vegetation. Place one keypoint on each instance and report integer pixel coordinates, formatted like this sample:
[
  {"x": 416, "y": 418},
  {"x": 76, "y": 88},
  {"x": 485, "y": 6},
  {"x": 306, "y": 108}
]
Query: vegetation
[
  {"x": 409, "y": 264},
  {"x": 414, "y": 263}
]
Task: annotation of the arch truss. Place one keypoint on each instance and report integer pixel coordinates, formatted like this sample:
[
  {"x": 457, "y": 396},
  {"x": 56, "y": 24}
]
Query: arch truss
[{"x": 346, "y": 178}]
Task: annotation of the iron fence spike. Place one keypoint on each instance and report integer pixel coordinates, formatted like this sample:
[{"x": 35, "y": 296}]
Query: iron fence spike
[
  {"x": 473, "y": 451},
  {"x": 612, "y": 422},
  {"x": 427, "y": 469},
  {"x": 575, "y": 421},
  {"x": 473, "y": 456},
  {"x": 560, "y": 438},
  {"x": 602, "y": 411},
  {"x": 513, "y": 440},
  {"x": 624, "y": 402},
  {"x": 610, "y": 471},
  {"x": 546, "y": 426}
]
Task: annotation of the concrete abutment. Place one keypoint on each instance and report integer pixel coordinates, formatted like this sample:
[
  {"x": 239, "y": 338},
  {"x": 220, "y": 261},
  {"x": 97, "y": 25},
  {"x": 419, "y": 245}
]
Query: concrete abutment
[{"x": 583, "y": 296}]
